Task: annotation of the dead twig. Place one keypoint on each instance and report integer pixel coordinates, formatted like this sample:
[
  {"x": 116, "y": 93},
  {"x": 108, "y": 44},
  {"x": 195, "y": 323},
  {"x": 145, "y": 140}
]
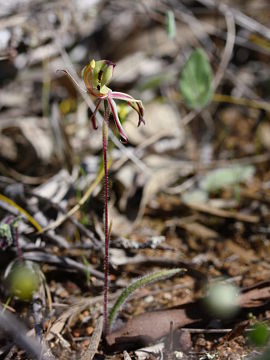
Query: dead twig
[
  {"x": 224, "y": 213},
  {"x": 240, "y": 18},
  {"x": 18, "y": 332},
  {"x": 228, "y": 49},
  {"x": 63, "y": 261},
  {"x": 94, "y": 342},
  {"x": 80, "y": 226}
]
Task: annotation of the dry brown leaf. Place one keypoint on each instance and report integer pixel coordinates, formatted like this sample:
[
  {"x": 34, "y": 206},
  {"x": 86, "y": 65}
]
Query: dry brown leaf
[
  {"x": 256, "y": 295},
  {"x": 199, "y": 230},
  {"x": 161, "y": 119},
  {"x": 140, "y": 329}
]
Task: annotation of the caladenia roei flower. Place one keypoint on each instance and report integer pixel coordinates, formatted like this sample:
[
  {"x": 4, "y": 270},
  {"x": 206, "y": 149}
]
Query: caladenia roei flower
[{"x": 96, "y": 76}]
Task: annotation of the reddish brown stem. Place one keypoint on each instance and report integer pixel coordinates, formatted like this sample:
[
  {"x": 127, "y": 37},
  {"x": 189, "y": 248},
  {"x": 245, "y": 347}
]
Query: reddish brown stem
[{"x": 106, "y": 217}]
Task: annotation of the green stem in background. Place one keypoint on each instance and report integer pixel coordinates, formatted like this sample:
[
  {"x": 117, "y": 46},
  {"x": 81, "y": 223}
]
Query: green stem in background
[
  {"x": 106, "y": 217},
  {"x": 145, "y": 280}
]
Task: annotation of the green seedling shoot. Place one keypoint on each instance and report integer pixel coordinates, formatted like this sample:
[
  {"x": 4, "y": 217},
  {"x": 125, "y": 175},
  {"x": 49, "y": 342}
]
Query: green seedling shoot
[
  {"x": 87, "y": 271},
  {"x": 170, "y": 22}
]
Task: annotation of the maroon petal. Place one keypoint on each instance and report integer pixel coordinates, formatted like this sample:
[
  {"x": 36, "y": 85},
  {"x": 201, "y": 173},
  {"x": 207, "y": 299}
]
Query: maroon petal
[
  {"x": 93, "y": 117},
  {"x": 120, "y": 129},
  {"x": 139, "y": 109},
  {"x": 135, "y": 104}
]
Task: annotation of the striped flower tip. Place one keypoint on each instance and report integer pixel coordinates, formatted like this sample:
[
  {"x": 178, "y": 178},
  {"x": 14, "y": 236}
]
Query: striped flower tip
[
  {"x": 96, "y": 76},
  {"x": 133, "y": 103}
]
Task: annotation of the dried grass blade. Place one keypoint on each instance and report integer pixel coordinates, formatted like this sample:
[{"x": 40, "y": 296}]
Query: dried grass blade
[{"x": 94, "y": 342}]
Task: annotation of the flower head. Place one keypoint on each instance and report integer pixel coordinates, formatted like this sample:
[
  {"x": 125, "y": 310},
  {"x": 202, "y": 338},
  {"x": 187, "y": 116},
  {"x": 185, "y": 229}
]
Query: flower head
[{"x": 96, "y": 76}]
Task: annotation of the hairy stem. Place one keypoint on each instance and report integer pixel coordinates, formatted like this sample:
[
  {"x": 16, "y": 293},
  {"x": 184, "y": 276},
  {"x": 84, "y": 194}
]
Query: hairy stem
[{"x": 106, "y": 217}]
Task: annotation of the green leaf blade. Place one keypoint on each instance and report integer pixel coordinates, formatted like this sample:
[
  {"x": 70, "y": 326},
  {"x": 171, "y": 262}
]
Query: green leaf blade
[
  {"x": 196, "y": 80},
  {"x": 170, "y": 22},
  {"x": 145, "y": 280},
  {"x": 219, "y": 179}
]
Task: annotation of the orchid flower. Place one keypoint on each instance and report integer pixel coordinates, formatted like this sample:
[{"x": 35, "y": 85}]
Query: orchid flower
[{"x": 96, "y": 76}]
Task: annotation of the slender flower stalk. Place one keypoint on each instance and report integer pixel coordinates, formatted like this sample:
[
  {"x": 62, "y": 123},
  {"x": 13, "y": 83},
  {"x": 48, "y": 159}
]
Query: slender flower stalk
[{"x": 106, "y": 216}]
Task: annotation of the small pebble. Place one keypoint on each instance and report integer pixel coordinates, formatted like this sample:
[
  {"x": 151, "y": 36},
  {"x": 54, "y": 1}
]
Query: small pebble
[{"x": 149, "y": 299}]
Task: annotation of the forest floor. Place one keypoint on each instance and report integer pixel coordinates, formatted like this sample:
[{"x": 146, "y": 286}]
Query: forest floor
[{"x": 190, "y": 190}]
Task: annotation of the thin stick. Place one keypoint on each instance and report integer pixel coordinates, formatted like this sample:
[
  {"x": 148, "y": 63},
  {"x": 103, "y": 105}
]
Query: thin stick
[
  {"x": 106, "y": 217},
  {"x": 240, "y": 18},
  {"x": 228, "y": 50},
  {"x": 16, "y": 330}
]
